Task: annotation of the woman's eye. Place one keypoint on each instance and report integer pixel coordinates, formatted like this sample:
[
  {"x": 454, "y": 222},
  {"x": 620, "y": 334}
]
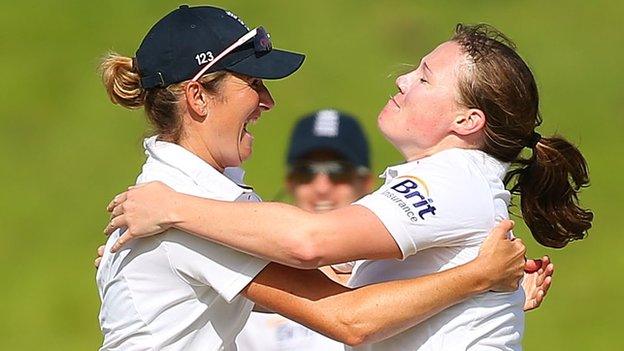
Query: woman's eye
[{"x": 423, "y": 80}]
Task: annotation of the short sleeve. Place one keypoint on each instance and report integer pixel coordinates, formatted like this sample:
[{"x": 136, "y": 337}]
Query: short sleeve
[
  {"x": 201, "y": 262},
  {"x": 431, "y": 206}
]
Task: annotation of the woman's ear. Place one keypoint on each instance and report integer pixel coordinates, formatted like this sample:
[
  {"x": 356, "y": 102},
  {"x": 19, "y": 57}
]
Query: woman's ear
[
  {"x": 197, "y": 99},
  {"x": 469, "y": 122}
]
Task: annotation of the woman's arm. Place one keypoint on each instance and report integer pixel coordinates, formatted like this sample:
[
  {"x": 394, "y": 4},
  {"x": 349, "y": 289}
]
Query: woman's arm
[
  {"x": 378, "y": 311},
  {"x": 274, "y": 231}
]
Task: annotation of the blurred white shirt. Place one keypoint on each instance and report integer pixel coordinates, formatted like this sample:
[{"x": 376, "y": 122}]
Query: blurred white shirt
[
  {"x": 175, "y": 291},
  {"x": 439, "y": 209}
]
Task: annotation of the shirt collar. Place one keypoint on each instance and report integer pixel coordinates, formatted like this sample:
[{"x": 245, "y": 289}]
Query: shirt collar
[
  {"x": 497, "y": 167},
  {"x": 396, "y": 170},
  {"x": 490, "y": 163},
  {"x": 202, "y": 173}
]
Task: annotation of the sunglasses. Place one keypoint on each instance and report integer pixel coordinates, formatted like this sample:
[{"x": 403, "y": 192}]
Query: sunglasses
[
  {"x": 338, "y": 172},
  {"x": 262, "y": 44}
]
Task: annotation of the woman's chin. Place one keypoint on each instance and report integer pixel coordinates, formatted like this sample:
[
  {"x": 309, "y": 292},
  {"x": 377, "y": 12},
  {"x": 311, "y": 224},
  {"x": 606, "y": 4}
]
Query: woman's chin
[
  {"x": 244, "y": 155},
  {"x": 245, "y": 147}
]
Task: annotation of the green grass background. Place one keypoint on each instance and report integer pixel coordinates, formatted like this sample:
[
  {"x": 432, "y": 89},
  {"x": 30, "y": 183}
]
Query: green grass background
[{"x": 65, "y": 150}]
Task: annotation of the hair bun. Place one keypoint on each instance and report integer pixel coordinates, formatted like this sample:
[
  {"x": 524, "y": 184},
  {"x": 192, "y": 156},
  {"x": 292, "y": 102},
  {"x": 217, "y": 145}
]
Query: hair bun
[{"x": 122, "y": 81}]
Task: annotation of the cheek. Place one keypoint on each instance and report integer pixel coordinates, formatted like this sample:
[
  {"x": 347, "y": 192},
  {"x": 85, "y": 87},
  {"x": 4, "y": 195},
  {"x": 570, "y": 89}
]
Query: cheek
[
  {"x": 303, "y": 196},
  {"x": 344, "y": 194}
]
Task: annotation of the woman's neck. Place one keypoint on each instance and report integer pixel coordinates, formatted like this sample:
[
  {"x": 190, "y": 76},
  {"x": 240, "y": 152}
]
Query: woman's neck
[
  {"x": 416, "y": 153},
  {"x": 199, "y": 148}
]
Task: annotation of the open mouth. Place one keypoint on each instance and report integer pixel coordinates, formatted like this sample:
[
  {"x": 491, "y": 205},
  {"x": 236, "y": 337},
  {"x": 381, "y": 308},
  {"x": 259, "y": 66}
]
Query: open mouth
[
  {"x": 250, "y": 121},
  {"x": 324, "y": 206}
]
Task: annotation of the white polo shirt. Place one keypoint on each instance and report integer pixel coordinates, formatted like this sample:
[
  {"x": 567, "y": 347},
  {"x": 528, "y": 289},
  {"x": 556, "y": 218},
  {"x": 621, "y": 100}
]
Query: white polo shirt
[
  {"x": 439, "y": 209},
  {"x": 272, "y": 332},
  {"x": 176, "y": 291}
]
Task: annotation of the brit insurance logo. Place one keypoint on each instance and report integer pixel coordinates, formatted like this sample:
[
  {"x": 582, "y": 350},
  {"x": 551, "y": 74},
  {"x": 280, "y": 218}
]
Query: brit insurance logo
[{"x": 412, "y": 195}]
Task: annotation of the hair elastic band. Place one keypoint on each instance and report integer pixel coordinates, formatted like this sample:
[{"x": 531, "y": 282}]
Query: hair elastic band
[
  {"x": 535, "y": 138},
  {"x": 134, "y": 66}
]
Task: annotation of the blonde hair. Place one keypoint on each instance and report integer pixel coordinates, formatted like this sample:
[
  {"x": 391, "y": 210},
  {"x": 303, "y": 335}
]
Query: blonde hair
[{"x": 123, "y": 86}]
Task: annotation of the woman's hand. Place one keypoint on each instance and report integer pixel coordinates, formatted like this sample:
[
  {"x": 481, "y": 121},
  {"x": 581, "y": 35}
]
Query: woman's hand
[
  {"x": 501, "y": 260},
  {"x": 98, "y": 259},
  {"x": 144, "y": 210},
  {"x": 536, "y": 282}
]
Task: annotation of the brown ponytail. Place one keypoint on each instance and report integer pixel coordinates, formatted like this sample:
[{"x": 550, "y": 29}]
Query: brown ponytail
[
  {"x": 122, "y": 81},
  {"x": 548, "y": 184},
  {"x": 498, "y": 82}
]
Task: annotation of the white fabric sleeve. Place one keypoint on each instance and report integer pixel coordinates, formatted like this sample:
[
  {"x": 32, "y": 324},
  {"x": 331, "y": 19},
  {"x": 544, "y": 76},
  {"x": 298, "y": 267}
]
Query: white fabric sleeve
[
  {"x": 202, "y": 262},
  {"x": 432, "y": 208}
]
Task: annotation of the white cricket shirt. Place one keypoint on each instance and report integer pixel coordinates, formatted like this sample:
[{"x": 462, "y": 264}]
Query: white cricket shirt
[
  {"x": 272, "y": 332},
  {"x": 439, "y": 209},
  {"x": 175, "y": 291}
]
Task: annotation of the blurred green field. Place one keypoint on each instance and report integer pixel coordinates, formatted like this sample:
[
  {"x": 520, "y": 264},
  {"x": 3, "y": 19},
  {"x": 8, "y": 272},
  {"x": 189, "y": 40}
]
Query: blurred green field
[{"x": 65, "y": 149}]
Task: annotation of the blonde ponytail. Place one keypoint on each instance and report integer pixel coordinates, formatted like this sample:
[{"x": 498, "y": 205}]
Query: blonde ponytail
[{"x": 122, "y": 81}]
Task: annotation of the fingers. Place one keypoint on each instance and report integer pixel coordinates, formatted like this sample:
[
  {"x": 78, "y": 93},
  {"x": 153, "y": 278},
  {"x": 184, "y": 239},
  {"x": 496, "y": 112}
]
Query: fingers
[
  {"x": 121, "y": 241},
  {"x": 540, "y": 277},
  {"x": 543, "y": 274},
  {"x": 521, "y": 248},
  {"x": 141, "y": 185},
  {"x": 100, "y": 253},
  {"x": 545, "y": 260},
  {"x": 117, "y": 211},
  {"x": 116, "y": 201},
  {"x": 115, "y": 223},
  {"x": 543, "y": 281},
  {"x": 536, "y": 301},
  {"x": 547, "y": 279},
  {"x": 503, "y": 228},
  {"x": 546, "y": 285}
]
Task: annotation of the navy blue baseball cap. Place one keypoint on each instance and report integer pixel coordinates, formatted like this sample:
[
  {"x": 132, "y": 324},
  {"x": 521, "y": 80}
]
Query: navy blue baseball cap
[
  {"x": 178, "y": 46},
  {"x": 331, "y": 130}
]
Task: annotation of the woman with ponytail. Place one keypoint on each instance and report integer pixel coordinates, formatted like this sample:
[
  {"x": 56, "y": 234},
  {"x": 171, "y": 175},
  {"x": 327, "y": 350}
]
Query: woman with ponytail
[
  {"x": 198, "y": 75},
  {"x": 502, "y": 86}
]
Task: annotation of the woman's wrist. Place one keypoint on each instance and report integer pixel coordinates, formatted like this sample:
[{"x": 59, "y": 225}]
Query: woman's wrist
[
  {"x": 478, "y": 278},
  {"x": 175, "y": 210}
]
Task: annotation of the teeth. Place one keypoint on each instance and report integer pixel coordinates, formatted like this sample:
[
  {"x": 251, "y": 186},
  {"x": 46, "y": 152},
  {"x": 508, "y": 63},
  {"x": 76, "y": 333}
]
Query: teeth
[{"x": 324, "y": 206}]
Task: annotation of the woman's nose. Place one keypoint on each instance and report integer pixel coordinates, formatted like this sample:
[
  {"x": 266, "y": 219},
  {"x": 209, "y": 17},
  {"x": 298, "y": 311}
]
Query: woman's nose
[
  {"x": 401, "y": 83},
  {"x": 266, "y": 100},
  {"x": 322, "y": 184}
]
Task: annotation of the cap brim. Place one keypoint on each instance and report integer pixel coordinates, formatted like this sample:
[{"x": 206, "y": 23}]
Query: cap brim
[
  {"x": 318, "y": 144},
  {"x": 274, "y": 65}
]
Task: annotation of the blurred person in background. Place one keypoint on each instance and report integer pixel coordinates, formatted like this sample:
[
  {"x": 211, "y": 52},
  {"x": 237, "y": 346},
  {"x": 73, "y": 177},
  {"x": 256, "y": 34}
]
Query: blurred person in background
[
  {"x": 328, "y": 167},
  {"x": 460, "y": 119},
  {"x": 198, "y": 75}
]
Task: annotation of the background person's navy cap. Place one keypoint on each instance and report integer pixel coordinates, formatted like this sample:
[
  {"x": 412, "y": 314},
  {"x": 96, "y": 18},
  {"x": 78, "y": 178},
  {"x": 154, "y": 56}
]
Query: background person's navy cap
[
  {"x": 329, "y": 130},
  {"x": 181, "y": 43}
]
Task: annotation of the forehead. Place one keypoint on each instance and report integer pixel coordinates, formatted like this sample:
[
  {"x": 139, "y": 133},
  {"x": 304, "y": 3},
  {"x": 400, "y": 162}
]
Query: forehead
[{"x": 446, "y": 58}]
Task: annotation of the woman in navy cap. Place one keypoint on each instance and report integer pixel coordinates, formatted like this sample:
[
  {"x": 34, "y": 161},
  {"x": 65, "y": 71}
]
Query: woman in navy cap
[{"x": 198, "y": 75}]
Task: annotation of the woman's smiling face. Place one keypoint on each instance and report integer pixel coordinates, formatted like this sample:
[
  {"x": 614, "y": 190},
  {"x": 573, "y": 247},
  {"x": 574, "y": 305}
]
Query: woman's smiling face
[
  {"x": 420, "y": 115},
  {"x": 240, "y": 101}
]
